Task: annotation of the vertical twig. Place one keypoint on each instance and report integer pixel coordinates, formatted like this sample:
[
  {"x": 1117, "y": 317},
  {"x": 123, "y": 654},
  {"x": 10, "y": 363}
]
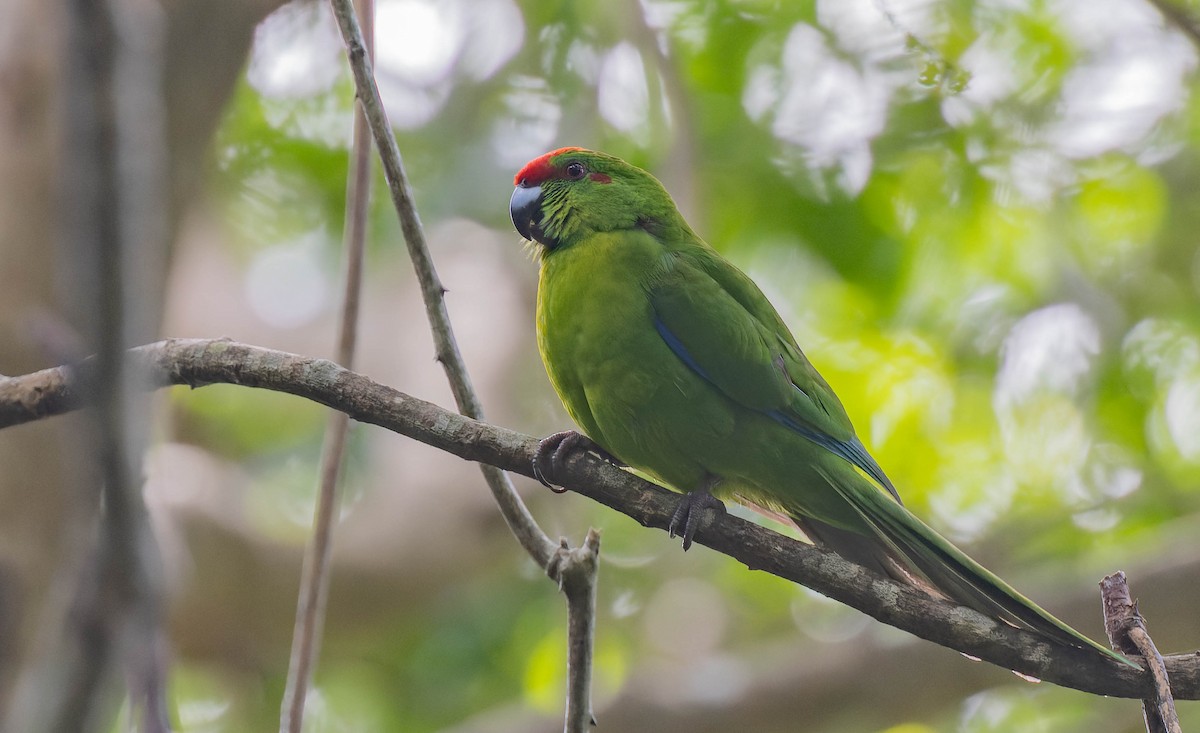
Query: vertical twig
[
  {"x": 1127, "y": 633},
  {"x": 112, "y": 241},
  {"x": 515, "y": 513},
  {"x": 575, "y": 570},
  {"x": 143, "y": 173},
  {"x": 314, "y": 582}
]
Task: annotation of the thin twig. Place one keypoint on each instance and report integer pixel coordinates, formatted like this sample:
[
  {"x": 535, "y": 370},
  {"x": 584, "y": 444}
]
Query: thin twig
[
  {"x": 575, "y": 570},
  {"x": 515, "y": 513},
  {"x": 1127, "y": 633},
  {"x": 197, "y": 362},
  {"x": 1182, "y": 19},
  {"x": 314, "y": 579}
]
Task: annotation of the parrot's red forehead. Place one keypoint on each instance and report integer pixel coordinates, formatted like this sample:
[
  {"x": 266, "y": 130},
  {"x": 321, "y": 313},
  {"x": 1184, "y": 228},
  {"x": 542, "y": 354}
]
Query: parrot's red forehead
[{"x": 539, "y": 169}]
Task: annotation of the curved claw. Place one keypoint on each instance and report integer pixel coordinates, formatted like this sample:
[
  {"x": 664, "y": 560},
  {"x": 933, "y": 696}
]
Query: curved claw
[
  {"x": 541, "y": 477},
  {"x": 690, "y": 513},
  {"x": 553, "y": 451}
]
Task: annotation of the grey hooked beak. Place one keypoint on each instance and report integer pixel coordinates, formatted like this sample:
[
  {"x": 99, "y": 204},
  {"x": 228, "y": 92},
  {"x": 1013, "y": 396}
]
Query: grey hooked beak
[{"x": 526, "y": 210}]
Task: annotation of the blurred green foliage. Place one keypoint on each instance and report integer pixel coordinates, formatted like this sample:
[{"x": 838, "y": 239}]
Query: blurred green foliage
[{"x": 979, "y": 218}]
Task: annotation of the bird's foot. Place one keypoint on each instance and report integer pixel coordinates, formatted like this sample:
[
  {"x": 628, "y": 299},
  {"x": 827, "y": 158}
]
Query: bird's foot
[
  {"x": 553, "y": 451},
  {"x": 691, "y": 513}
]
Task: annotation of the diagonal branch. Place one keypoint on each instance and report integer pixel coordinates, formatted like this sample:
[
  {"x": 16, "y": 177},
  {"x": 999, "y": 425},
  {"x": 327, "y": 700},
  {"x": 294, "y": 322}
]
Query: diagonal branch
[
  {"x": 198, "y": 362},
  {"x": 519, "y": 520},
  {"x": 516, "y": 515}
]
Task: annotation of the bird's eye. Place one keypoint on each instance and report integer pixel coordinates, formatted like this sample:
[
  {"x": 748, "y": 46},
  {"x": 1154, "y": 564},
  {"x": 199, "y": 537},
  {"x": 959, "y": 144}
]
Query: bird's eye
[{"x": 575, "y": 170}]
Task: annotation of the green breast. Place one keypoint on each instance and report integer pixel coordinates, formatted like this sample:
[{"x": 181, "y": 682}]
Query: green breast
[
  {"x": 617, "y": 378},
  {"x": 589, "y": 304}
]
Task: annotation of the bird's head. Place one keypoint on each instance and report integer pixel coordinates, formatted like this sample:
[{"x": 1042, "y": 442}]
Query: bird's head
[{"x": 567, "y": 194}]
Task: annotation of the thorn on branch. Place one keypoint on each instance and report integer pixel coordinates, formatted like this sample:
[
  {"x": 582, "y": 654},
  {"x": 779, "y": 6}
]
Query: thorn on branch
[{"x": 1127, "y": 633}]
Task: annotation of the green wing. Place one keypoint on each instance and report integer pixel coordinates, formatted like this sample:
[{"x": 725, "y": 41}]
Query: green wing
[{"x": 717, "y": 321}]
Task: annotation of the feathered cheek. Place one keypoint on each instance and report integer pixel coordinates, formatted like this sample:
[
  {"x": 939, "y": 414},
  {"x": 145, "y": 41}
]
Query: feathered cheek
[{"x": 556, "y": 223}]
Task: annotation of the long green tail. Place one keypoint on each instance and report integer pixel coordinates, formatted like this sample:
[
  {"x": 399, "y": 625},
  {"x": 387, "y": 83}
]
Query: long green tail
[{"x": 952, "y": 572}]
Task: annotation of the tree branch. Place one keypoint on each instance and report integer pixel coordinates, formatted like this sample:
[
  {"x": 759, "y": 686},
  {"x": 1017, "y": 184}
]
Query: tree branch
[
  {"x": 197, "y": 362},
  {"x": 575, "y": 570},
  {"x": 112, "y": 204},
  {"x": 1127, "y": 632}
]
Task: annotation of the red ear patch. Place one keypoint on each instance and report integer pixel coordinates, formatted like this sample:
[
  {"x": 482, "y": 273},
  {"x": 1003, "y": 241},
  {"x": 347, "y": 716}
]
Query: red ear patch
[{"x": 539, "y": 169}]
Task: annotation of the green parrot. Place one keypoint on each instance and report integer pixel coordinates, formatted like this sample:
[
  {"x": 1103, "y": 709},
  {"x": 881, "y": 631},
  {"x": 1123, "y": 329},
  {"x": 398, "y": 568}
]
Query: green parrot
[{"x": 672, "y": 361}]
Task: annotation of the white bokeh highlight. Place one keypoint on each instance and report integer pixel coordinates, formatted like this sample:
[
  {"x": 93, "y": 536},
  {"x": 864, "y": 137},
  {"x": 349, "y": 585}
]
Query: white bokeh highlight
[
  {"x": 287, "y": 285},
  {"x": 621, "y": 89}
]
